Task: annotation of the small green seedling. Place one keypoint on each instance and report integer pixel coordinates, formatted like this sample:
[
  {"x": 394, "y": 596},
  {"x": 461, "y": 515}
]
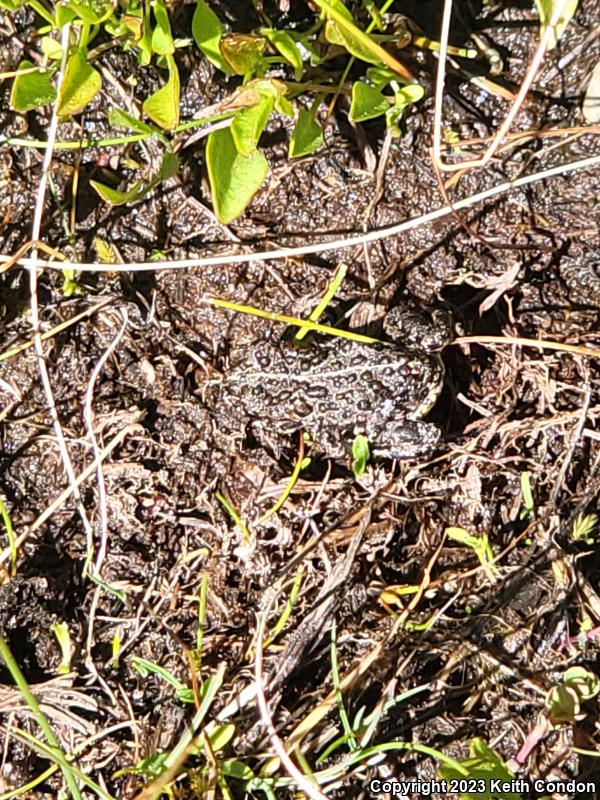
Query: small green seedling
[
  {"x": 583, "y": 528},
  {"x": 528, "y": 510},
  {"x": 482, "y": 767},
  {"x": 63, "y": 637},
  {"x": 479, "y": 544},
  {"x": 546, "y": 10},
  {"x": 145, "y": 667},
  {"x": 360, "y": 455}
]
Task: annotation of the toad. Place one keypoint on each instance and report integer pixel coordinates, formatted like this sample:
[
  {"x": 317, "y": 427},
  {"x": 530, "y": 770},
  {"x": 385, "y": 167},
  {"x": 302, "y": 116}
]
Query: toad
[{"x": 338, "y": 388}]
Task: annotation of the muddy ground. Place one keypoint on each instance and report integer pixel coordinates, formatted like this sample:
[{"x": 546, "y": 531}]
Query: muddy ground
[{"x": 484, "y": 645}]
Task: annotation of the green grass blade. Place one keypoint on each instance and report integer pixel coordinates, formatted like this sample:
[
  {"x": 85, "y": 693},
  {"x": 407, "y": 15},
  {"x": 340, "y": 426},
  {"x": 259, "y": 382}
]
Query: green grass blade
[
  {"x": 12, "y": 540},
  {"x": 54, "y": 749}
]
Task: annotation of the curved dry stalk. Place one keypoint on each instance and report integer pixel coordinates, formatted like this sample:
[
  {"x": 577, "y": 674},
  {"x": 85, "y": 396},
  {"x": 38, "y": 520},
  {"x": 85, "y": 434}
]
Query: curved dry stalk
[
  {"x": 5, "y": 555},
  {"x": 33, "y": 287},
  {"x": 523, "y": 341},
  {"x": 88, "y": 414},
  {"x": 325, "y": 246},
  {"x": 517, "y": 102},
  {"x": 304, "y": 784}
]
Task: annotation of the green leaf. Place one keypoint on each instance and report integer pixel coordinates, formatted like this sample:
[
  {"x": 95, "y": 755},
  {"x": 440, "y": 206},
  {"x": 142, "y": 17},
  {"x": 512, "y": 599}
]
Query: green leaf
[
  {"x": 341, "y": 38},
  {"x": 144, "y": 42},
  {"x": 360, "y": 455},
  {"x": 92, "y": 12},
  {"x": 243, "y": 52},
  {"x": 249, "y": 123},
  {"x": 271, "y": 87},
  {"x": 234, "y": 178},
  {"x": 585, "y": 682},
  {"x": 411, "y": 93},
  {"x": 237, "y": 769},
  {"x": 283, "y": 106},
  {"x": 118, "y": 198},
  {"x": 64, "y": 15},
  {"x": 562, "y": 703},
  {"x": 162, "y": 39},
  {"x": 81, "y": 83},
  {"x": 404, "y": 96},
  {"x": 546, "y": 9},
  {"x": 51, "y": 48},
  {"x": 367, "y": 102},
  {"x": 311, "y": 48},
  {"x": 12, "y": 5},
  {"x": 483, "y": 765},
  {"x": 207, "y": 30},
  {"x": 220, "y": 736},
  {"x": 163, "y": 106},
  {"x": 286, "y": 46},
  {"x": 307, "y": 136},
  {"x": 168, "y": 168},
  {"x": 379, "y": 76},
  {"x": 122, "y": 119},
  {"x": 32, "y": 90},
  {"x": 340, "y": 29}
]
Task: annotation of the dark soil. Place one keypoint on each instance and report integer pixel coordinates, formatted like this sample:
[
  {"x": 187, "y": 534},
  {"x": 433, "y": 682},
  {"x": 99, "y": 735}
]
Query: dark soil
[{"x": 500, "y": 638}]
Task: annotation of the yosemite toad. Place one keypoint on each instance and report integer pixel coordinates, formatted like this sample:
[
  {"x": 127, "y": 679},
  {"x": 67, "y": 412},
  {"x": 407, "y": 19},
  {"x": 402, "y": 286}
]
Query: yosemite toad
[{"x": 339, "y": 388}]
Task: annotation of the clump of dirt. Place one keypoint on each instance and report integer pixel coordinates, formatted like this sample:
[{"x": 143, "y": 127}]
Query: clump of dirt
[{"x": 450, "y": 638}]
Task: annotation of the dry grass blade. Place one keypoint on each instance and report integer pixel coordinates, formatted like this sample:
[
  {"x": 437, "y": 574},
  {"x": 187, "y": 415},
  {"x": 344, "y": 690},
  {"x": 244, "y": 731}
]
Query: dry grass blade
[
  {"x": 558, "y": 11},
  {"x": 312, "y": 720},
  {"x": 520, "y": 341},
  {"x": 88, "y": 312},
  {"x": 5, "y": 555},
  {"x": 56, "y": 698}
]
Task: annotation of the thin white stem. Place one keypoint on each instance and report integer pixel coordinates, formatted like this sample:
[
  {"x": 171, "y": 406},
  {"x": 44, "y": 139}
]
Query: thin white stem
[
  {"x": 527, "y": 80},
  {"x": 516, "y": 104},
  {"x": 33, "y": 285},
  {"x": 324, "y": 246},
  {"x": 88, "y": 414},
  {"x": 439, "y": 86},
  {"x": 6, "y": 554},
  {"x": 304, "y": 784}
]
